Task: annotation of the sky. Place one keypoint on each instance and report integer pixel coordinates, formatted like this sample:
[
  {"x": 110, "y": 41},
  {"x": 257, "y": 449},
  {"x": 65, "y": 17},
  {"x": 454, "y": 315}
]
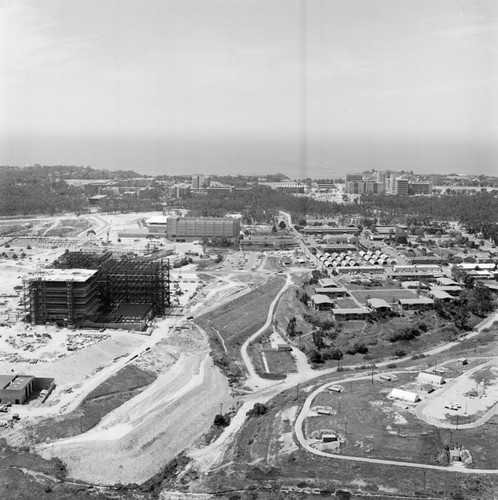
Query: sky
[{"x": 238, "y": 86}]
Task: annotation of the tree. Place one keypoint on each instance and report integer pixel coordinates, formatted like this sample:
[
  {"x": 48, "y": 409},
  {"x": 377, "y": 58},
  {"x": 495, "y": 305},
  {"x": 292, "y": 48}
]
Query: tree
[
  {"x": 282, "y": 225},
  {"x": 315, "y": 357},
  {"x": 318, "y": 339},
  {"x": 257, "y": 410},
  {"x": 291, "y": 327},
  {"x": 221, "y": 420},
  {"x": 332, "y": 353},
  {"x": 479, "y": 299}
]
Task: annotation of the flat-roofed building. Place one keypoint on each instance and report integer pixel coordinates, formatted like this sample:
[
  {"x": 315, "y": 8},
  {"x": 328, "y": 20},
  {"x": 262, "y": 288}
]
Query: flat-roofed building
[
  {"x": 438, "y": 294},
  {"x": 357, "y": 269},
  {"x": 346, "y": 314},
  {"x": 65, "y": 296},
  {"x": 327, "y": 283},
  {"x": 321, "y": 302},
  {"x": 331, "y": 292},
  {"x": 420, "y": 187},
  {"x": 331, "y": 230},
  {"x": 416, "y": 304},
  {"x": 442, "y": 281},
  {"x": 191, "y": 228},
  {"x": 401, "y": 186},
  {"x": 379, "y": 305},
  {"x": 16, "y": 389}
]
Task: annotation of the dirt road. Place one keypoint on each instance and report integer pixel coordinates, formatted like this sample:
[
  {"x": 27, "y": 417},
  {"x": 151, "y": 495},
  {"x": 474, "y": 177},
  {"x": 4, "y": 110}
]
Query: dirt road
[{"x": 134, "y": 441}]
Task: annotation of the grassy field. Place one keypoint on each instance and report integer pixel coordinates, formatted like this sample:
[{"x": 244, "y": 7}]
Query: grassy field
[
  {"x": 239, "y": 319},
  {"x": 261, "y": 442},
  {"x": 379, "y": 428},
  {"x": 376, "y": 426},
  {"x": 387, "y": 295},
  {"x": 280, "y": 362},
  {"x": 111, "y": 394}
]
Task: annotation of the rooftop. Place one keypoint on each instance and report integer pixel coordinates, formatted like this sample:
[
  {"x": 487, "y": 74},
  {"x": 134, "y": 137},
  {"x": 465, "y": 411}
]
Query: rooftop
[
  {"x": 352, "y": 310},
  {"x": 320, "y": 299},
  {"x": 416, "y": 301},
  {"x": 78, "y": 275},
  {"x": 15, "y": 382},
  {"x": 378, "y": 303}
]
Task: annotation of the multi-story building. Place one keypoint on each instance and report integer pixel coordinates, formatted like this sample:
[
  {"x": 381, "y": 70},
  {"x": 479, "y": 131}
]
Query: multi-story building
[
  {"x": 179, "y": 190},
  {"x": 421, "y": 187},
  {"x": 65, "y": 296},
  {"x": 191, "y": 228},
  {"x": 355, "y": 187},
  {"x": 401, "y": 186},
  {"x": 200, "y": 182}
]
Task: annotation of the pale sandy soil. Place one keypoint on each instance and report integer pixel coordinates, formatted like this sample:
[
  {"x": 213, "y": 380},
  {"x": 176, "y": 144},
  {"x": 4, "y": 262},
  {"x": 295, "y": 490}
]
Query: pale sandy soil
[
  {"x": 135, "y": 440},
  {"x": 456, "y": 391}
]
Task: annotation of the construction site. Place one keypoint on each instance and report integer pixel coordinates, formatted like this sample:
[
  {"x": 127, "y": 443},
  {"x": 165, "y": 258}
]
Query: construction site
[{"x": 91, "y": 290}]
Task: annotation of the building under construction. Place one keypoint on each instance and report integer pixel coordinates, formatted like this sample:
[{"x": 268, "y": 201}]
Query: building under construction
[{"x": 97, "y": 290}]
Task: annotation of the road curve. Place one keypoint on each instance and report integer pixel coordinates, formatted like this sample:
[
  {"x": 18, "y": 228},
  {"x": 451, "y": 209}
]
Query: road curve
[
  {"x": 254, "y": 380},
  {"x": 303, "y": 442}
]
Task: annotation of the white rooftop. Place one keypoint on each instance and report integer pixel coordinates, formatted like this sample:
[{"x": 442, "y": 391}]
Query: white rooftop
[{"x": 79, "y": 275}]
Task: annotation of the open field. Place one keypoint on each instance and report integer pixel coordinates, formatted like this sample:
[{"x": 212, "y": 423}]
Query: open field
[
  {"x": 265, "y": 456},
  {"x": 236, "y": 320},
  {"x": 376, "y": 427}
]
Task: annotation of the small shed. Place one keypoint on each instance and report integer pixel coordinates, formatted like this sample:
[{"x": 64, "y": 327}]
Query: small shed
[{"x": 329, "y": 438}]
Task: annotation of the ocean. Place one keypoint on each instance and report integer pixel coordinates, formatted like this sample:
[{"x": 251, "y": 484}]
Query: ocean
[{"x": 324, "y": 159}]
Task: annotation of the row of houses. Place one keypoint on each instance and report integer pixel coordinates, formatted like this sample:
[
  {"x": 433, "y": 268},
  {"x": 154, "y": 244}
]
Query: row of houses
[{"x": 321, "y": 301}]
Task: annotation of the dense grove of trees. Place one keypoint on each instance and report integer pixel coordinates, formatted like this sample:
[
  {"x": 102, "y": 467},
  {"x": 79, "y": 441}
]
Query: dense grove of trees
[
  {"x": 41, "y": 189},
  {"x": 261, "y": 203},
  {"x": 477, "y": 212},
  {"x": 31, "y": 191}
]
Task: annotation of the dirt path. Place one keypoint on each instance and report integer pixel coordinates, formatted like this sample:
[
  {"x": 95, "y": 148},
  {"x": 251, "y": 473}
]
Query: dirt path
[{"x": 254, "y": 380}]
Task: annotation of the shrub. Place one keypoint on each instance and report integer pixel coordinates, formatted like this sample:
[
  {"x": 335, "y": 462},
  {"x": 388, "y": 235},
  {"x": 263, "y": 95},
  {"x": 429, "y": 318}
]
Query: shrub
[
  {"x": 357, "y": 347},
  {"x": 221, "y": 420},
  {"x": 400, "y": 353},
  {"x": 315, "y": 357},
  {"x": 257, "y": 410}
]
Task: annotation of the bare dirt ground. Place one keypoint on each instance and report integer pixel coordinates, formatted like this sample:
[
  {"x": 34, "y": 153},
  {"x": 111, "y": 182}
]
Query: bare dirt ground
[
  {"x": 476, "y": 391},
  {"x": 132, "y": 443}
]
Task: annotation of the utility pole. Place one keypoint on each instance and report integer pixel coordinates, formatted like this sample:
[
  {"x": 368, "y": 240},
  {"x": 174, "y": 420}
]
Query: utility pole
[{"x": 457, "y": 423}]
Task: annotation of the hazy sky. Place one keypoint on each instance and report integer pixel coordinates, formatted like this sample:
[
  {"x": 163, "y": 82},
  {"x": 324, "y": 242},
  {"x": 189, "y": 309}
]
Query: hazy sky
[{"x": 231, "y": 70}]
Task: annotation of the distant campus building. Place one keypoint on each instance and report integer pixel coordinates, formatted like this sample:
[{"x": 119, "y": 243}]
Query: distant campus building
[
  {"x": 191, "y": 228},
  {"x": 385, "y": 183}
]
